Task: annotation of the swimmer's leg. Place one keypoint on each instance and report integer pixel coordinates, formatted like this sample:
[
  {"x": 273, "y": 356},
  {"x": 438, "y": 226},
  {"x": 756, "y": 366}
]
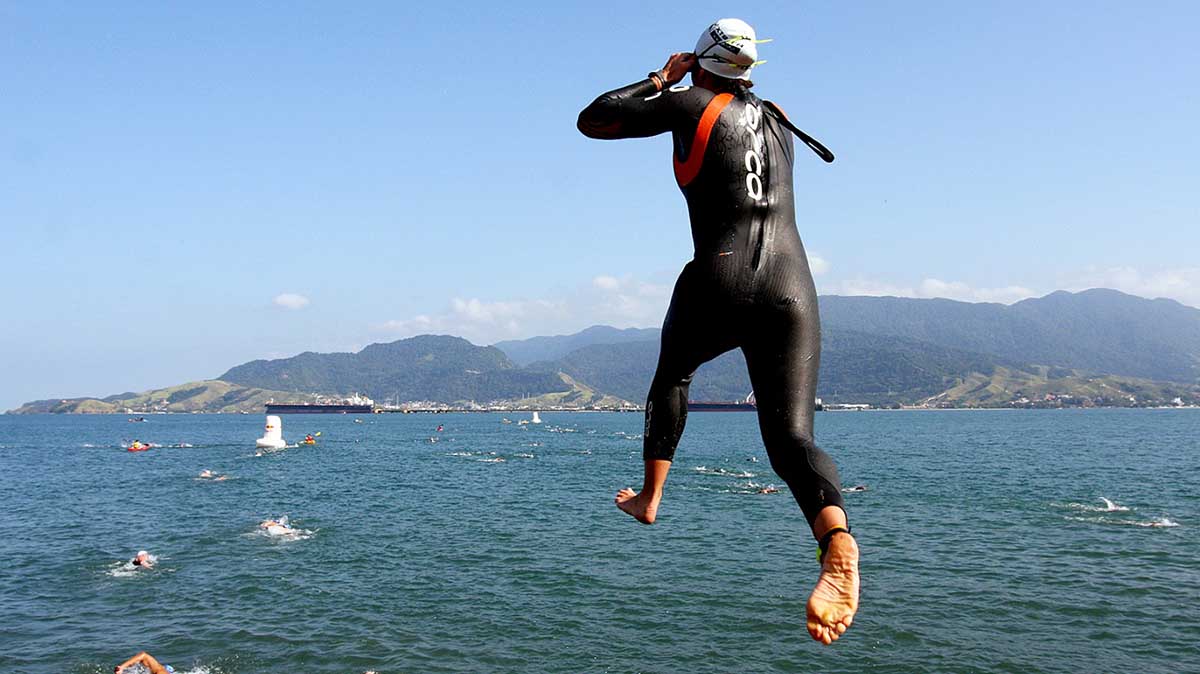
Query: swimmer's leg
[
  {"x": 783, "y": 358},
  {"x": 643, "y": 505},
  {"x": 694, "y": 332}
]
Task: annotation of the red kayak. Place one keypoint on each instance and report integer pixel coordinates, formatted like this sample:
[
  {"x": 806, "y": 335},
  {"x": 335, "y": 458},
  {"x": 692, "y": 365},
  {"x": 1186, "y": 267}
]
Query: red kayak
[{"x": 138, "y": 449}]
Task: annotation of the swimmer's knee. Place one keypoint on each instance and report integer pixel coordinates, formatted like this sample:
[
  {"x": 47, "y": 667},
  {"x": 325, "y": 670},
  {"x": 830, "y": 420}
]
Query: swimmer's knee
[
  {"x": 786, "y": 444},
  {"x": 658, "y": 453},
  {"x": 795, "y": 456},
  {"x": 666, "y": 383}
]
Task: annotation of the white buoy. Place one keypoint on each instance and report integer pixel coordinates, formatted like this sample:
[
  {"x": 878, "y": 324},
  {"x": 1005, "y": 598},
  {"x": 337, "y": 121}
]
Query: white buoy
[
  {"x": 273, "y": 438},
  {"x": 536, "y": 419}
]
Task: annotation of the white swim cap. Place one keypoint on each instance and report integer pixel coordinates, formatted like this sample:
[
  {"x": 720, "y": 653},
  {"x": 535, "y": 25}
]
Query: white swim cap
[
  {"x": 143, "y": 553},
  {"x": 728, "y": 48}
]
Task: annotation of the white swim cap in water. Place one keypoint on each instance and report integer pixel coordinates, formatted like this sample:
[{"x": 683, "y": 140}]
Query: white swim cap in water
[
  {"x": 728, "y": 48},
  {"x": 143, "y": 553}
]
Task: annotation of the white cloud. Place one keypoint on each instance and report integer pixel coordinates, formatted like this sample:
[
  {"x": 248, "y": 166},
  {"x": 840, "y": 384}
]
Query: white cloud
[
  {"x": 932, "y": 287},
  {"x": 477, "y": 320},
  {"x": 817, "y": 264},
  {"x": 290, "y": 301},
  {"x": 475, "y": 311},
  {"x": 606, "y": 283},
  {"x": 618, "y": 301},
  {"x": 413, "y": 326},
  {"x": 957, "y": 290},
  {"x": 628, "y": 302},
  {"x": 1181, "y": 284},
  {"x": 1005, "y": 295},
  {"x": 867, "y": 287}
]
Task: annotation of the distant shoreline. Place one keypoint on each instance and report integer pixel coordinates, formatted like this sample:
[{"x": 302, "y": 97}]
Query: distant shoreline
[{"x": 452, "y": 410}]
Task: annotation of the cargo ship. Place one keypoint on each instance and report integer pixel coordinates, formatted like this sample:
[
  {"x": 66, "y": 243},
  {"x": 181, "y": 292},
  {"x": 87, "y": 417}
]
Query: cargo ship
[
  {"x": 355, "y": 404},
  {"x": 708, "y": 406},
  {"x": 747, "y": 405}
]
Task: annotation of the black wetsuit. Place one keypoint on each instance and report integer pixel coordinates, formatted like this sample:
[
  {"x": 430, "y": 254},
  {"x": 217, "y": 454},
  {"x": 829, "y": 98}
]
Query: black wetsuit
[{"x": 748, "y": 284}]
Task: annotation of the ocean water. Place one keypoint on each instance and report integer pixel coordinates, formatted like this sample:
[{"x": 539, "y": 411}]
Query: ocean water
[{"x": 992, "y": 541}]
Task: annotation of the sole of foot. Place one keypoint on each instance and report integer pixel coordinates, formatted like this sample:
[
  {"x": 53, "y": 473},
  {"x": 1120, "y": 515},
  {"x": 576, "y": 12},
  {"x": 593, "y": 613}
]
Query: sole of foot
[{"x": 834, "y": 600}]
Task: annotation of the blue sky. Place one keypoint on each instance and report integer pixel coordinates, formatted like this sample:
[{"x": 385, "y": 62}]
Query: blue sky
[{"x": 184, "y": 188}]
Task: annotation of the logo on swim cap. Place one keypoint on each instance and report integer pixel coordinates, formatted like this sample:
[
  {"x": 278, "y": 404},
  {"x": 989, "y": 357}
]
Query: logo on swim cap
[{"x": 728, "y": 48}]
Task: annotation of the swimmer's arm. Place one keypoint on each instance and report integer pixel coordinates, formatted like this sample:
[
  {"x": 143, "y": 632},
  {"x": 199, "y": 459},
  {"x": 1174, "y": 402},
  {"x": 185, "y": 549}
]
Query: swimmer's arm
[
  {"x": 142, "y": 658},
  {"x": 623, "y": 113},
  {"x": 638, "y": 110}
]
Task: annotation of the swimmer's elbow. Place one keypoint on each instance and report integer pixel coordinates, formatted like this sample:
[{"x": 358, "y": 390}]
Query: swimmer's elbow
[
  {"x": 597, "y": 121},
  {"x": 584, "y": 124},
  {"x": 593, "y": 128}
]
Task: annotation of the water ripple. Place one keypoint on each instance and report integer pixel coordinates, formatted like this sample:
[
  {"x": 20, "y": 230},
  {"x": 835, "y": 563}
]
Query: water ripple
[{"x": 991, "y": 542}]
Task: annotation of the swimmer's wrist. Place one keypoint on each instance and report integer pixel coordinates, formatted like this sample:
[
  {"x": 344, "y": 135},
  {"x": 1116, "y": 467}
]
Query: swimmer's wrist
[{"x": 659, "y": 80}]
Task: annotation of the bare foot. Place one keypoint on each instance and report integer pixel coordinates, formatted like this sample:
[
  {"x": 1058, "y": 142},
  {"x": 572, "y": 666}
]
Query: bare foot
[
  {"x": 642, "y": 508},
  {"x": 834, "y": 600}
]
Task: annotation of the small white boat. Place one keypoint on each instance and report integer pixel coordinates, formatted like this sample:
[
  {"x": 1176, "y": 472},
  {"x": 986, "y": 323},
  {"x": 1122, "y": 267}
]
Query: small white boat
[{"x": 273, "y": 438}]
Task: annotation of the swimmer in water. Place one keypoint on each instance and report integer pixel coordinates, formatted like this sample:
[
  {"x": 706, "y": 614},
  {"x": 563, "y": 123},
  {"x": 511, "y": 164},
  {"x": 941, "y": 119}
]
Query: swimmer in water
[
  {"x": 142, "y": 559},
  {"x": 207, "y": 474},
  {"x": 146, "y": 660},
  {"x": 768, "y": 490},
  {"x": 278, "y": 527},
  {"x": 748, "y": 285}
]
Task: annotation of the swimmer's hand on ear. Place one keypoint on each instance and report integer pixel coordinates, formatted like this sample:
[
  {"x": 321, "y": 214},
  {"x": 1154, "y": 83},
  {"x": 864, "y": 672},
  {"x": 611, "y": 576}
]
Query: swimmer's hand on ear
[{"x": 677, "y": 66}]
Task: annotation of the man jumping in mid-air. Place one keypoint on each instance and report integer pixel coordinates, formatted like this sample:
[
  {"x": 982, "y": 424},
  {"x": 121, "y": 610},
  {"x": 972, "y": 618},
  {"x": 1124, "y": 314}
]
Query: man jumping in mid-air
[{"x": 748, "y": 285}]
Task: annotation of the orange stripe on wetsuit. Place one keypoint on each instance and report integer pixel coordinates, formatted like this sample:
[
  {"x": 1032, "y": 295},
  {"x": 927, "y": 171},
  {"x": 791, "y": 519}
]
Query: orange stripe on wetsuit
[{"x": 686, "y": 171}]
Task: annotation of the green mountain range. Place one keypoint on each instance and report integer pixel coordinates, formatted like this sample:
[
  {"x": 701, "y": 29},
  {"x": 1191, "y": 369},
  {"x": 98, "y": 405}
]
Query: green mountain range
[
  {"x": 1101, "y": 331},
  {"x": 1093, "y": 347},
  {"x": 526, "y": 351},
  {"x": 855, "y": 366},
  {"x": 198, "y": 396},
  {"x": 429, "y": 367}
]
